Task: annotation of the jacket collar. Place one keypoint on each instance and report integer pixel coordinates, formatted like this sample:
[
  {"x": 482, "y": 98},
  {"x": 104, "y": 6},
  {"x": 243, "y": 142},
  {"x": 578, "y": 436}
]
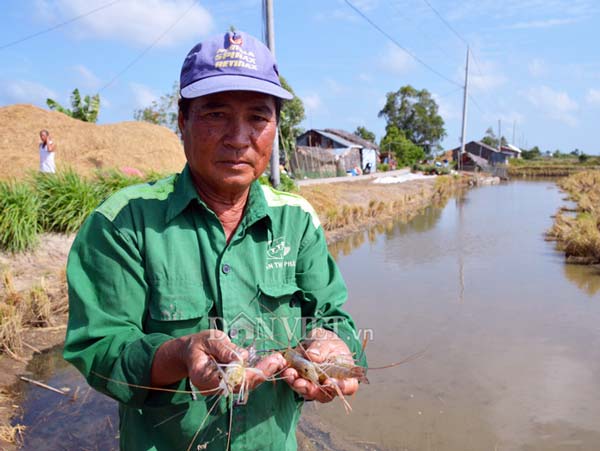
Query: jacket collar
[{"x": 185, "y": 192}]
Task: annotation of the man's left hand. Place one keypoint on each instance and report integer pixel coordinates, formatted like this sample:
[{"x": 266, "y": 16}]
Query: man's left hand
[{"x": 319, "y": 346}]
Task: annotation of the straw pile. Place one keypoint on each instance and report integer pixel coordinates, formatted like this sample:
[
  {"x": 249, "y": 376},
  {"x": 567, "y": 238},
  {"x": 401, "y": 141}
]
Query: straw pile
[{"x": 83, "y": 146}]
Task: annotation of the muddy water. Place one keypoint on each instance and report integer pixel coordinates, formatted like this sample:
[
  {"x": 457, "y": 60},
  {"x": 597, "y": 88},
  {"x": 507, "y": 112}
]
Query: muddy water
[
  {"x": 511, "y": 338},
  {"x": 512, "y": 334}
]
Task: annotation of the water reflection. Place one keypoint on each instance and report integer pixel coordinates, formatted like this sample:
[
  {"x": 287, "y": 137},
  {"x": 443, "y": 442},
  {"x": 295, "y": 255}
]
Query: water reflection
[{"x": 587, "y": 278}]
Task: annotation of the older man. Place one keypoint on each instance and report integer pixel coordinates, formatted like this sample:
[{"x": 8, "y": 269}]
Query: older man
[{"x": 169, "y": 280}]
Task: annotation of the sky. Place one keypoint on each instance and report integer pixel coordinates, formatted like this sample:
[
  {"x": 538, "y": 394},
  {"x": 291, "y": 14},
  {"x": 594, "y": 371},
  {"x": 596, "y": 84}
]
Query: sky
[{"x": 535, "y": 64}]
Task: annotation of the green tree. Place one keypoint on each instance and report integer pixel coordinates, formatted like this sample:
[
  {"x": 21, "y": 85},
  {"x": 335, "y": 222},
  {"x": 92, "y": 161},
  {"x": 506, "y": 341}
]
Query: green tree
[
  {"x": 292, "y": 113},
  {"x": 162, "y": 111},
  {"x": 491, "y": 139},
  {"x": 86, "y": 110},
  {"x": 406, "y": 152},
  {"x": 416, "y": 114},
  {"x": 364, "y": 133},
  {"x": 532, "y": 153}
]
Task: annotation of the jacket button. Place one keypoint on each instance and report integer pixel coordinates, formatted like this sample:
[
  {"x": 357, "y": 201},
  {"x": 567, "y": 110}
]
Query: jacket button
[{"x": 226, "y": 268}]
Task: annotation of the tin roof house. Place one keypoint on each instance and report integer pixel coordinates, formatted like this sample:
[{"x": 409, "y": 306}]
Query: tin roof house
[{"x": 348, "y": 150}]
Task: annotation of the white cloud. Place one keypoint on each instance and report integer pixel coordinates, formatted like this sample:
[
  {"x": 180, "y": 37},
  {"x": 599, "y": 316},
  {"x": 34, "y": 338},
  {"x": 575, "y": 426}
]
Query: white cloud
[
  {"x": 21, "y": 91},
  {"x": 143, "y": 96},
  {"x": 545, "y": 23},
  {"x": 87, "y": 78},
  {"x": 137, "y": 21},
  {"x": 312, "y": 102},
  {"x": 334, "y": 86},
  {"x": 537, "y": 68},
  {"x": 593, "y": 97},
  {"x": 396, "y": 60},
  {"x": 448, "y": 107},
  {"x": 363, "y": 76},
  {"x": 484, "y": 76},
  {"x": 555, "y": 104}
]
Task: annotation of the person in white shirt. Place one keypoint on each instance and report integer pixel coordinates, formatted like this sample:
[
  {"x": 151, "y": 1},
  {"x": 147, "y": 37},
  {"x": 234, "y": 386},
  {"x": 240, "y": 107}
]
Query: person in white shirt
[{"x": 47, "y": 151}]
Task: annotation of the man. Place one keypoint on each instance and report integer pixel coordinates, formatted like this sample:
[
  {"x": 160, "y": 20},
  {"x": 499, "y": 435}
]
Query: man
[
  {"x": 47, "y": 151},
  {"x": 157, "y": 269}
]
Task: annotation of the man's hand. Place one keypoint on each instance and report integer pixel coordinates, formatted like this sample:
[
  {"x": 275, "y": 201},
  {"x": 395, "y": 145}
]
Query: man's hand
[
  {"x": 196, "y": 356},
  {"x": 319, "y": 346}
]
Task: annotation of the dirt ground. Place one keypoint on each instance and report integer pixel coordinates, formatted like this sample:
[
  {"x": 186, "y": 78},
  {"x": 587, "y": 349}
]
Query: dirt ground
[{"x": 46, "y": 266}]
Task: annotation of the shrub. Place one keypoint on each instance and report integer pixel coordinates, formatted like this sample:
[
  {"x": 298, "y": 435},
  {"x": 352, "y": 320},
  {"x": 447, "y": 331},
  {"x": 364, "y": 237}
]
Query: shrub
[
  {"x": 66, "y": 200},
  {"x": 19, "y": 219}
]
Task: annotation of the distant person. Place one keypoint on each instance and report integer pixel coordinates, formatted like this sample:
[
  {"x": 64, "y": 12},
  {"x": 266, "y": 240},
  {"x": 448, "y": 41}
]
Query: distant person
[{"x": 47, "y": 150}]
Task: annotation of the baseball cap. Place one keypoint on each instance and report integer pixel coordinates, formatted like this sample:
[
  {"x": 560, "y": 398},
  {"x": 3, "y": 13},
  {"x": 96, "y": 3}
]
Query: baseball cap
[{"x": 236, "y": 61}]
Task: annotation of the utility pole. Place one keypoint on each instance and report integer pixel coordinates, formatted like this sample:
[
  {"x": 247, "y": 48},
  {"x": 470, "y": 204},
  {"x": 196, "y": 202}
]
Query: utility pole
[
  {"x": 464, "y": 114},
  {"x": 514, "y": 129},
  {"x": 270, "y": 32},
  {"x": 499, "y": 135}
]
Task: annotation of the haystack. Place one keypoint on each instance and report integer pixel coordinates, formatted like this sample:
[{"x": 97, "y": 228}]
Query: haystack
[{"x": 83, "y": 146}]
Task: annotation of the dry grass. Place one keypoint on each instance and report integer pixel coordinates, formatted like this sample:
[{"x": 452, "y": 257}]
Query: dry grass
[
  {"x": 12, "y": 434},
  {"x": 348, "y": 206},
  {"x": 20, "y": 310},
  {"x": 579, "y": 235}
]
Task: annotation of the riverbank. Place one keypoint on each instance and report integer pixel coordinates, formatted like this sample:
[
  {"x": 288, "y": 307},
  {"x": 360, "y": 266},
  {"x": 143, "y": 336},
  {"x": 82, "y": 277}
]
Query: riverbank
[
  {"x": 577, "y": 230},
  {"x": 553, "y": 167},
  {"x": 38, "y": 277}
]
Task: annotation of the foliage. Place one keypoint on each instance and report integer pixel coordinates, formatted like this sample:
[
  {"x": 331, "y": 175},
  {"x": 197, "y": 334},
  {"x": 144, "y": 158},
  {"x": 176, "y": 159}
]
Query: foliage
[
  {"x": 66, "y": 200},
  {"x": 431, "y": 169},
  {"x": 531, "y": 154},
  {"x": 19, "y": 219},
  {"x": 86, "y": 111},
  {"x": 404, "y": 149},
  {"x": 292, "y": 113},
  {"x": 364, "y": 133},
  {"x": 491, "y": 139},
  {"x": 416, "y": 114},
  {"x": 583, "y": 157},
  {"x": 163, "y": 111},
  {"x": 383, "y": 167},
  {"x": 286, "y": 183},
  {"x": 109, "y": 182}
]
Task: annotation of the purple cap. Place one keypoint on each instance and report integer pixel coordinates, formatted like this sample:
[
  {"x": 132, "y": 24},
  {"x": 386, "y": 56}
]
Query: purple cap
[{"x": 234, "y": 62}]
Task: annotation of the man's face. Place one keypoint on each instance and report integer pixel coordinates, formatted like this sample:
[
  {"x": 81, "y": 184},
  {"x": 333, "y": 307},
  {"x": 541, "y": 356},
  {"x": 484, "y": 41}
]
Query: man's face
[
  {"x": 228, "y": 138},
  {"x": 43, "y": 136}
]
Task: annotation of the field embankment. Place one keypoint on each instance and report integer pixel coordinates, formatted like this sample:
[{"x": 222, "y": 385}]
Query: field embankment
[
  {"x": 84, "y": 146},
  {"x": 577, "y": 231},
  {"x": 551, "y": 167}
]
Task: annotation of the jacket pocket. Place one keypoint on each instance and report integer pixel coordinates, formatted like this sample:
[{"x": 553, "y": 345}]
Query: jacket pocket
[
  {"x": 178, "y": 302},
  {"x": 281, "y": 307}
]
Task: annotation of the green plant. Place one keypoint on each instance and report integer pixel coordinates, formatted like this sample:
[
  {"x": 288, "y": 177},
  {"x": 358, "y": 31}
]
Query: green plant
[
  {"x": 86, "y": 111},
  {"x": 66, "y": 199},
  {"x": 19, "y": 227},
  {"x": 109, "y": 182},
  {"x": 383, "y": 167}
]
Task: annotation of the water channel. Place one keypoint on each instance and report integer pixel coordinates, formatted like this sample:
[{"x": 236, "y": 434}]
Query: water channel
[{"x": 510, "y": 336}]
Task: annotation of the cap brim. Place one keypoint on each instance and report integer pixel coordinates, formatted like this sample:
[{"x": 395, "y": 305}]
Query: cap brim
[{"x": 221, "y": 83}]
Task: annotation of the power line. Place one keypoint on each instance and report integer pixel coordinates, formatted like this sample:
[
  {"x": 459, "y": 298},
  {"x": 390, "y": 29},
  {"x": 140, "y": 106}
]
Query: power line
[
  {"x": 147, "y": 49},
  {"x": 62, "y": 24},
  {"x": 387, "y": 35},
  {"x": 456, "y": 33},
  {"x": 450, "y": 27}
]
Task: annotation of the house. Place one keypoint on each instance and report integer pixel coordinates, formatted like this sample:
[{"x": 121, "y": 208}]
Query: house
[
  {"x": 481, "y": 150},
  {"x": 511, "y": 151},
  {"x": 349, "y": 150}
]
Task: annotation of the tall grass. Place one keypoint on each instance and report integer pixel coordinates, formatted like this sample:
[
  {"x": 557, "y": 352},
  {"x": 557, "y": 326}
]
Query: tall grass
[
  {"x": 66, "y": 199},
  {"x": 19, "y": 208}
]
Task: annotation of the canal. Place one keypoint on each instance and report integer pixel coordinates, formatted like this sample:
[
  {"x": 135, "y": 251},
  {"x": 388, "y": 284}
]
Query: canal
[{"x": 507, "y": 335}]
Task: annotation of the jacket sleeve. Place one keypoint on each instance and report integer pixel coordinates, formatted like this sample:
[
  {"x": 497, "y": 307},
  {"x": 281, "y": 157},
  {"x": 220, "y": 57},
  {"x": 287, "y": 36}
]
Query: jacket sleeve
[
  {"x": 325, "y": 293},
  {"x": 108, "y": 297}
]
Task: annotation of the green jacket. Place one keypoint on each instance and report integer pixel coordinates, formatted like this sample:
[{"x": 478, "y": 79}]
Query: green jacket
[{"x": 152, "y": 263}]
